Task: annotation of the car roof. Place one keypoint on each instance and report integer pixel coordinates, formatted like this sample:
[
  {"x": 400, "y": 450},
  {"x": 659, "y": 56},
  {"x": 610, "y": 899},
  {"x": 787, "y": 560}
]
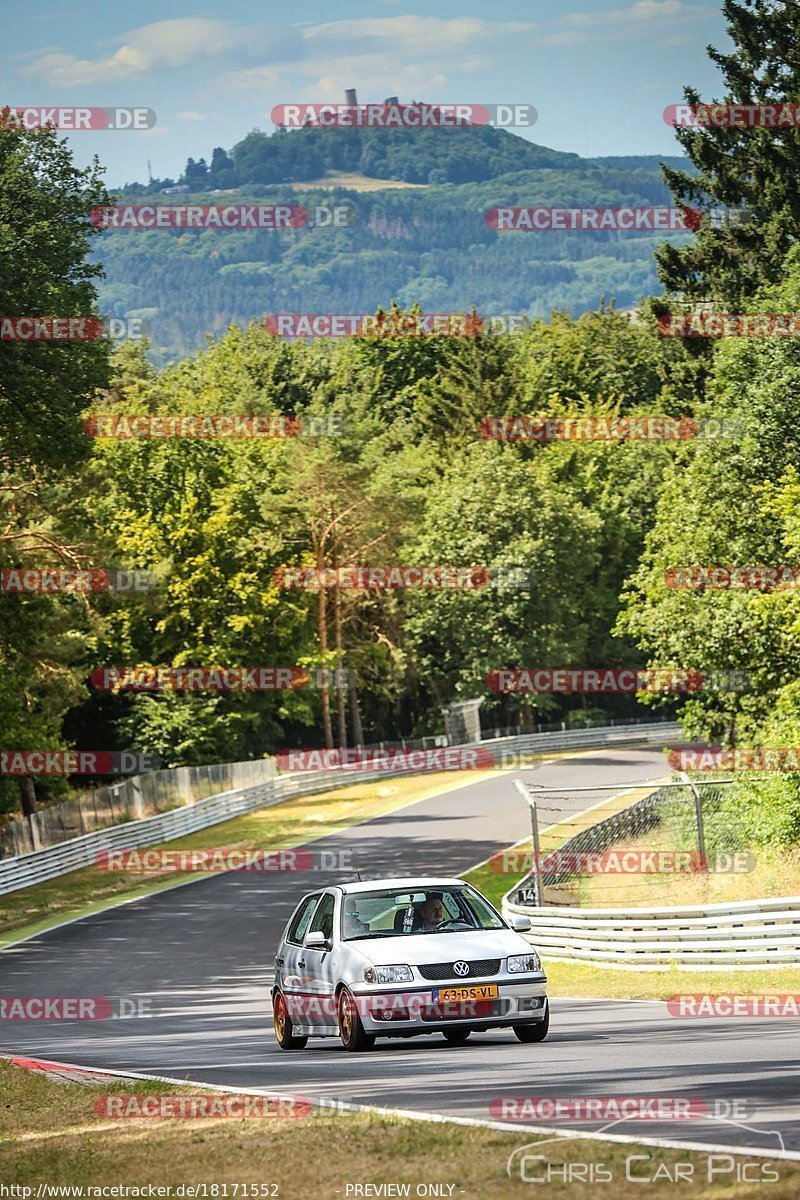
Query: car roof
[{"x": 414, "y": 883}]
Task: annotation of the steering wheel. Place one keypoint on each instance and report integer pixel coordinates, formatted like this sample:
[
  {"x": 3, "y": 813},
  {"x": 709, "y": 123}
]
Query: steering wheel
[{"x": 453, "y": 921}]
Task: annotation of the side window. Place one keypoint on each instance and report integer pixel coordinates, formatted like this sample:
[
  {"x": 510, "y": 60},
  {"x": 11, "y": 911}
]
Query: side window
[
  {"x": 323, "y": 917},
  {"x": 300, "y": 920}
]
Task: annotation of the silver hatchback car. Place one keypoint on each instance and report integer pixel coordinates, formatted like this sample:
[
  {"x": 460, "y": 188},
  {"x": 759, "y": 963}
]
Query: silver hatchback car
[{"x": 401, "y": 957}]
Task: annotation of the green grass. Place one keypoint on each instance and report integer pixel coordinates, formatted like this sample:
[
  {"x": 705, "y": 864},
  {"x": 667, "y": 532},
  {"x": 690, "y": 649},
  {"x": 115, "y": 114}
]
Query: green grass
[{"x": 49, "y": 1132}]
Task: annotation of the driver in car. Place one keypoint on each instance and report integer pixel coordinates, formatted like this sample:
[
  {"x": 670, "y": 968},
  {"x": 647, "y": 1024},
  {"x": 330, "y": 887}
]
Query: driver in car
[{"x": 430, "y": 914}]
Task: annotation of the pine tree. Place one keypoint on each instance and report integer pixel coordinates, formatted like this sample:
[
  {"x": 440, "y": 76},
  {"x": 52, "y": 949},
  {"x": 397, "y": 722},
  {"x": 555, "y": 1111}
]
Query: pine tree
[{"x": 750, "y": 172}]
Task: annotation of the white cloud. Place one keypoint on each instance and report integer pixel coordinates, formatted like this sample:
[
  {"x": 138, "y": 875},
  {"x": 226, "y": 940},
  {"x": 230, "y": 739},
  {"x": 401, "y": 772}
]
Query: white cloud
[
  {"x": 403, "y": 55},
  {"x": 566, "y": 38},
  {"x": 431, "y": 35},
  {"x": 169, "y": 45},
  {"x": 642, "y": 11},
  {"x": 373, "y": 75},
  {"x": 189, "y": 115}
]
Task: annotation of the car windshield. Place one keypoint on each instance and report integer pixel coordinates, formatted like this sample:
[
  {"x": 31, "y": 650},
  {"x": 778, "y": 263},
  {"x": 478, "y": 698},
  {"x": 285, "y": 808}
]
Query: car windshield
[{"x": 393, "y": 913}]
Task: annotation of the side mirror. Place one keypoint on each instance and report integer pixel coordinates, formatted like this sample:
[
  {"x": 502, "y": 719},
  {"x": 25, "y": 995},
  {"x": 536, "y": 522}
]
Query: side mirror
[
  {"x": 318, "y": 941},
  {"x": 521, "y": 924}
]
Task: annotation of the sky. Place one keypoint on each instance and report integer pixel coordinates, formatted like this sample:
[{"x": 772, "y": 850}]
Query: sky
[{"x": 599, "y": 72}]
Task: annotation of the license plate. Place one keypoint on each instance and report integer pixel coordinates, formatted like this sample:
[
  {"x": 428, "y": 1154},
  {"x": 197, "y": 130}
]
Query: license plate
[{"x": 483, "y": 991}]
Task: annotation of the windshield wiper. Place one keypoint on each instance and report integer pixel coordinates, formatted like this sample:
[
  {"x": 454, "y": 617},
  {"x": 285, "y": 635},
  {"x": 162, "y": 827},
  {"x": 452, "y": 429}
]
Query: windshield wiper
[{"x": 365, "y": 937}]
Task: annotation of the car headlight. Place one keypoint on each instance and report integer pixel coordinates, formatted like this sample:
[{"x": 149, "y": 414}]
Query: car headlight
[
  {"x": 524, "y": 962},
  {"x": 395, "y": 974}
]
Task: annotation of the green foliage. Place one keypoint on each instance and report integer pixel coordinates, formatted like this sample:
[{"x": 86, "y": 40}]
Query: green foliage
[
  {"x": 45, "y": 271},
  {"x": 424, "y": 245},
  {"x": 746, "y": 172}
]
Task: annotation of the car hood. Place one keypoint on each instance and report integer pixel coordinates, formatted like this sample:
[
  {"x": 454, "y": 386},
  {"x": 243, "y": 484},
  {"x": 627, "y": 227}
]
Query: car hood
[{"x": 421, "y": 948}]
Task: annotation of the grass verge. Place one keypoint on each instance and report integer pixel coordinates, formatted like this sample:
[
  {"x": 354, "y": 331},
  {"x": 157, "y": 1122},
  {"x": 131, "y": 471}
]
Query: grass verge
[
  {"x": 774, "y": 872},
  {"x": 50, "y": 1134}
]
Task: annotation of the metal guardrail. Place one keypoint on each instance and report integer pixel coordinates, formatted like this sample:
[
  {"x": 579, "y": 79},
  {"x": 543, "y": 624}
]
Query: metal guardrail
[
  {"x": 41, "y": 865},
  {"x": 745, "y": 933},
  {"x": 573, "y": 739}
]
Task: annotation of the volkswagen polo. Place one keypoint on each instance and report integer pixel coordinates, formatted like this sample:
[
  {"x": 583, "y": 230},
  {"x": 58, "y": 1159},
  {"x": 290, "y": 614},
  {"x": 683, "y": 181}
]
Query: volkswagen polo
[{"x": 402, "y": 957}]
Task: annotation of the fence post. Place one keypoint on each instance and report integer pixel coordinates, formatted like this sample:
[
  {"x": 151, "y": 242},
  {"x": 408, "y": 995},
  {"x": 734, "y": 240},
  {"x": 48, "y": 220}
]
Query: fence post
[
  {"x": 698, "y": 808},
  {"x": 36, "y": 840},
  {"x": 137, "y": 805},
  {"x": 523, "y": 789}
]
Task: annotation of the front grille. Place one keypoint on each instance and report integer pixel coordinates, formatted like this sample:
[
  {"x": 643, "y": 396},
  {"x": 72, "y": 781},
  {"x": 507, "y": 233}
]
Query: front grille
[{"x": 479, "y": 968}]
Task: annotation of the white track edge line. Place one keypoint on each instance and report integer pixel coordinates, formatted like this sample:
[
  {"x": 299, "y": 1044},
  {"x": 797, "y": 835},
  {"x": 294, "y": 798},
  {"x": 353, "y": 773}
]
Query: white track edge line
[{"x": 435, "y": 1118}]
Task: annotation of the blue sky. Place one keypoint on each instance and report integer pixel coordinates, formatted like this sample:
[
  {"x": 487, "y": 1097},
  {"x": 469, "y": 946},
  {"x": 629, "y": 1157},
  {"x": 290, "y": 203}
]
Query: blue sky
[{"x": 600, "y": 72}]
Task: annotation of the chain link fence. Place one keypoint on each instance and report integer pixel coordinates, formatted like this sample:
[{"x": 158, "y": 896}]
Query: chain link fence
[
  {"x": 616, "y": 844},
  {"x": 129, "y": 800}
]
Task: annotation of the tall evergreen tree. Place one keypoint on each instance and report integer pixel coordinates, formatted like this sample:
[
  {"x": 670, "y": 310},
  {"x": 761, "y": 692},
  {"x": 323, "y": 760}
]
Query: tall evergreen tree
[{"x": 749, "y": 171}]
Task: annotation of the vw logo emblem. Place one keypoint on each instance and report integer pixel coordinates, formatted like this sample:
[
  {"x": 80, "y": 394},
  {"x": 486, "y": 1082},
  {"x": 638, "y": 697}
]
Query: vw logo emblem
[{"x": 461, "y": 968}]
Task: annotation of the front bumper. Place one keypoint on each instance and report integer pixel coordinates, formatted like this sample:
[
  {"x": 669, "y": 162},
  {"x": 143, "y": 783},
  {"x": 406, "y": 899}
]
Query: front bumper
[{"x": 386, "y": 1011}]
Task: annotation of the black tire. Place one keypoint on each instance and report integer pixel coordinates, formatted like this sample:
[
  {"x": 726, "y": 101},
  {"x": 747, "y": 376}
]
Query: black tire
[
  {"x": 456, "y": 1037},
  {"x": 351, "y": 1031},
  {"x": 282, "y": 1024},
  {"x": 534, "y": 1032}
]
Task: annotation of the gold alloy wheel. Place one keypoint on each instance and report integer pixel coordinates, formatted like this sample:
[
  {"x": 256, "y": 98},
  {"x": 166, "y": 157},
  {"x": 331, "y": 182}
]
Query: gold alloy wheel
[
  {"x": 279, "y": 1018},
  {"x": 346, "y": 1017}
]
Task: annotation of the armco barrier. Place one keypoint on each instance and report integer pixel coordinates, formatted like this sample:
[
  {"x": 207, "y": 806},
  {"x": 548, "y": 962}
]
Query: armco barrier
[
  {"x": 41, "y": 865},
  {"x": 746, "y": 933}
]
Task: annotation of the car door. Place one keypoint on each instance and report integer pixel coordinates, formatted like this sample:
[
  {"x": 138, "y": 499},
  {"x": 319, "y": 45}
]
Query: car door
[
  {"x": 288, "y": 977},
  {"x": 316, "y": 966}
]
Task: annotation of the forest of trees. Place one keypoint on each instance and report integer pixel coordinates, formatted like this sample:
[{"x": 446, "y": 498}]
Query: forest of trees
[
  {"x": 429, "y": 246},
  {"x": 409, "y": 479}
]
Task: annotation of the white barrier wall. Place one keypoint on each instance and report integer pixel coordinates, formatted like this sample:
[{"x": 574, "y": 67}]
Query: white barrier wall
[{"x": 746, "y": 933}]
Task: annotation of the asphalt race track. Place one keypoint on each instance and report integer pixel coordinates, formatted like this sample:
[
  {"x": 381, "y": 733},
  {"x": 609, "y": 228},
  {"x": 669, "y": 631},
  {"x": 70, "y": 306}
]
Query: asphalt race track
[{"x": 203, "y": 954}]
